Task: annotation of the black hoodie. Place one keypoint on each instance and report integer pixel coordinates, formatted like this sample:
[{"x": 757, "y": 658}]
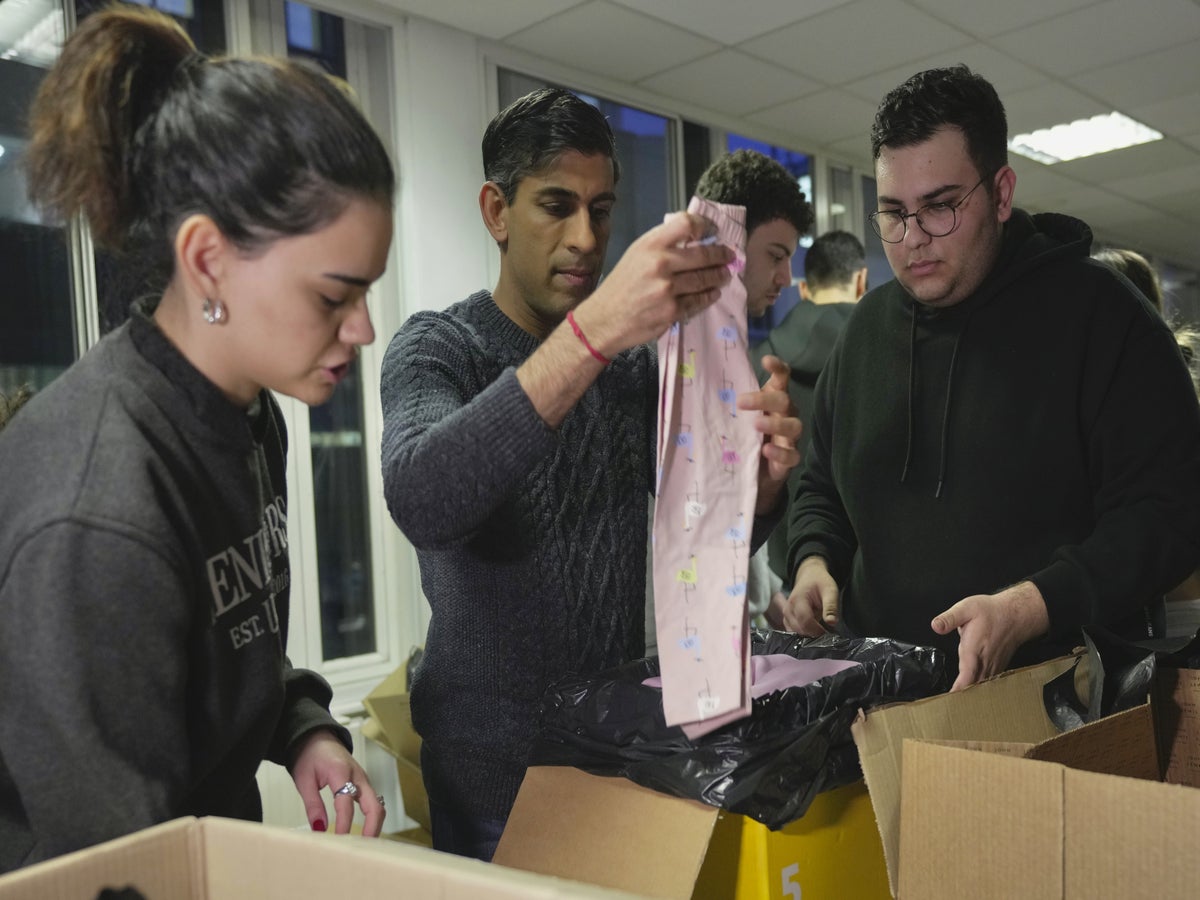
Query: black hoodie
[
  {"x": 1043, "y": 429},
  {"x": 803, "y": 340}
]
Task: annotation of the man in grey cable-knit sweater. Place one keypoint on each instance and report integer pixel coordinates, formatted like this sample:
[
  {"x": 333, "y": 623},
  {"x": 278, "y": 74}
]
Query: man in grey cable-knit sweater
[{"x": 518, "y": 453}]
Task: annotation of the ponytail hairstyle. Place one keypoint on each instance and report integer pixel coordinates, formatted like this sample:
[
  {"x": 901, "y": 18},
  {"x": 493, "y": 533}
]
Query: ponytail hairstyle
[{"x": 136, "y": 130}]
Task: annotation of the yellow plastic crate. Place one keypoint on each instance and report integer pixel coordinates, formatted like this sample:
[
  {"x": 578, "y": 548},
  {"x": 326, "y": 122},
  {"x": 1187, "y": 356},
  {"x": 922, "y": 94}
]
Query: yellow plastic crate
[{"x": 834, "y": 851}]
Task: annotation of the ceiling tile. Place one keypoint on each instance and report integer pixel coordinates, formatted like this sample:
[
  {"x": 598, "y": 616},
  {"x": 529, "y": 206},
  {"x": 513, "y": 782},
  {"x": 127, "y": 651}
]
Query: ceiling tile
[
  {"x": 860, "y": 37},
  {"x": 1183, "y": 204},
  {"x": 1115, "y": 31},
  {"x": 1178, "y": 114},
  {"x": 987, "y": 19},
  {"x": 730, "y": 82},
  {"x": 821, "y": 119},
  {"x": 1106, "y": 167},
  {"x": 491, "y": 20},
  {"x": 1167, "y": 73},
  {"x": 1005, "y": 73},
  {"x": 1150, "y": 186},
  {"x": 612, "y": 40},
  {"x": 1103, "y": 209},
  {"x": 1049, "y": 104},
  {"x": 1040, "y": 187},
  {"x": 729, "y": 23}
]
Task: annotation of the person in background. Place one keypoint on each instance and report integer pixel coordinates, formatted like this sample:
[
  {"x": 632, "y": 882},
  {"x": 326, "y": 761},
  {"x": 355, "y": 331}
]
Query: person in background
[
  {"x": 1137, "y": 269},
  {"x": 143, "y": 547},
  {"x": 1006, "y": 444},
  {"x": 1145, "y": 278},
  {"x": 519, "y": 452},
  {"x": 835, "y": 278},
  {"x": 777, "y": 215}
]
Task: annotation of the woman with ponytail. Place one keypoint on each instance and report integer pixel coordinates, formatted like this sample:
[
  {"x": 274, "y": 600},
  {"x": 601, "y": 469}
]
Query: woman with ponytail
[{"x": 143, "y": 546}]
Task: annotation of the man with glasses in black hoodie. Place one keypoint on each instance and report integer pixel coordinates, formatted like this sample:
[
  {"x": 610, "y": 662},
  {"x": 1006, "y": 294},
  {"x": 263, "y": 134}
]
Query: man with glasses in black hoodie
[{"x": 1006, "y": 444}]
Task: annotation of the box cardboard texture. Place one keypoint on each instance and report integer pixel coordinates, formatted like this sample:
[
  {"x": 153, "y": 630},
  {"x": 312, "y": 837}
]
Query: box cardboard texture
[
  {"x": 390, "y": 725},
  {"x": 1080, "y": 815},
  {"x": 1008, "y": 708},
  {"x": 222, "y": 859},
  {"x": 618, "y": 834}
]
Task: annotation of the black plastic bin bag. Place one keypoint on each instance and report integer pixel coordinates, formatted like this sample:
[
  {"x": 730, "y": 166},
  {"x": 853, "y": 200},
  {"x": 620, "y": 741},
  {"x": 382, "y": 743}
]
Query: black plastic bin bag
[{"x": 769, "y": 765}]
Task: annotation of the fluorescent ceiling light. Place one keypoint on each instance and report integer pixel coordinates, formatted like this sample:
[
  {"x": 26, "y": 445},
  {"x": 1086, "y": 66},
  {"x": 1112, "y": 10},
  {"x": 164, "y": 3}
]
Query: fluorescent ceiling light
[
  {"x": 1083, "y": 137},
  {"x": 1, "y": 151}
]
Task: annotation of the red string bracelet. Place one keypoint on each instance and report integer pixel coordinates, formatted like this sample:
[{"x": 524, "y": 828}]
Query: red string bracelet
[{"x": 579, "y": 334}]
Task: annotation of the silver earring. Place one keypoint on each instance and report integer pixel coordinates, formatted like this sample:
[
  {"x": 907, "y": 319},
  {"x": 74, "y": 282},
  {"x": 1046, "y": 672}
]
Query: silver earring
[{"x": 213, "y": 312}]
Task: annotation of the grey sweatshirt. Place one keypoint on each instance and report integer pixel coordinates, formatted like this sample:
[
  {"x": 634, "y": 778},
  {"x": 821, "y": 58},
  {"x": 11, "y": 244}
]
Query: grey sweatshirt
[{"x": 143, "y": 602}]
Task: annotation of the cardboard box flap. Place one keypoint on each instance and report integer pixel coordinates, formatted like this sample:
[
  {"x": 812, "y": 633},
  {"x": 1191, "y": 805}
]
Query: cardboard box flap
[
  {"x": 222, "y": 859},
  {"x": 1006, "y": 708},
  {"x": 373, "y": 731},
  {"x": 1177, "y": 709},
  {"x": 945, "y": 841},
  {"x": 1129, "y": 838},
  {"x": 1046, "y": 831},
  {"x": 1120, "y": 744},
  {"x": 1003, "y": 748},
  {"x": 388, "y": 706},
  {"x": 606, "y": 831}
]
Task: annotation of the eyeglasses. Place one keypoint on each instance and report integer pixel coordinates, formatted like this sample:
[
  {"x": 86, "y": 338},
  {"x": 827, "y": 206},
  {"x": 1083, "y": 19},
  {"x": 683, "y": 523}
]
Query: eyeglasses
[{"x": 936, "y": 219}]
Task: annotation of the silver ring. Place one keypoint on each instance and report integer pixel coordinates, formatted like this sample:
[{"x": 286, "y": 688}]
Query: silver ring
[
  {"x": 379, "y": 797},
  {"x": 349, "y": 788}
]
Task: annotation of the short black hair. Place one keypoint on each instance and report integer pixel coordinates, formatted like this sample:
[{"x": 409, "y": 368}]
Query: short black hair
[
  {"x": 528, "y": 135},
  {"x": 833, "y": 259},
  {"x": 936, "y": 98},
  {"x": 753, "y": 180}
]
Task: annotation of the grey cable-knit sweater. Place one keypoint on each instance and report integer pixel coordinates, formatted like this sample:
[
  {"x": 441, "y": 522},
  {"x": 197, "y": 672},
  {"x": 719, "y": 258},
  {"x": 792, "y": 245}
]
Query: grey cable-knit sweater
[{"x": 531, "y": 542}]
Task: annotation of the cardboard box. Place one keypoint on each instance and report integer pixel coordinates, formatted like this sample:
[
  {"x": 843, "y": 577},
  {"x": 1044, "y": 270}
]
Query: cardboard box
[
  {"x": 1081, "y": 815},
  {"x": 390, "y": 726},
  {"x": 614, "y": 833},
  {"x": 221, "y": 859},
  {"x": 1007, "y": 708}
]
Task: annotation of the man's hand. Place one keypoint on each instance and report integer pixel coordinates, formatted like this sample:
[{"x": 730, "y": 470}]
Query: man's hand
[
  {"x": 991, "y": 627},
  {"x": 663, "y": 277},
  {"x": 780, "y": 429},
  {"x": 813, "y": 601}
]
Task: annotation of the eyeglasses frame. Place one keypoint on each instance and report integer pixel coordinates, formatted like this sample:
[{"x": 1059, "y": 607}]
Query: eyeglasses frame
[{"x": 904, "y": 217}]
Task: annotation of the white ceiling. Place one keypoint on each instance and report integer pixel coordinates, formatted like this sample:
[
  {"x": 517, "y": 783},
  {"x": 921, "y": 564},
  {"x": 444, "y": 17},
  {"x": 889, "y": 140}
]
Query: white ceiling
[{"x": 812, "y": 71}]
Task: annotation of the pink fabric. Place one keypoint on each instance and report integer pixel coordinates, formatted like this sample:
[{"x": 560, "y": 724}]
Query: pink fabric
[
  {"x": 708, "y": 460},
  {"x": 769, "y": 673}
]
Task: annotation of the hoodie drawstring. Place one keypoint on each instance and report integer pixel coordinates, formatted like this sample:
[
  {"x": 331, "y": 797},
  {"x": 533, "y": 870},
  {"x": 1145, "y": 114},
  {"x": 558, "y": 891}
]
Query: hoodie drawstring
[
  {"x": 946, "y": 414},
  {"x": 912, "y": 353}
]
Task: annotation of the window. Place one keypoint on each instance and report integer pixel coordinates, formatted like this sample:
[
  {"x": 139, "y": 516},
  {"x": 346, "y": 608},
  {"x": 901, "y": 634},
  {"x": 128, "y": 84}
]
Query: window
[
  {"x": 339, "y": 464},
  {"x": 841, "y": 200},
  {"x": 878, "y": 268},
  {"x": 644, "y": 150},
  {"x": 37, "y": 308}
]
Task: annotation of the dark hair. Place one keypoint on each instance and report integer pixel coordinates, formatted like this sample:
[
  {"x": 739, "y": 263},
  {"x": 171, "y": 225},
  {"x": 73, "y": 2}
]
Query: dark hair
[
  {"x": 753, "y": 180},
  {"x": 136, "y": 130},
  {"x": 527, "y": 137},
  {"x": 930, "y": 100},
  {"x": 833, "y": 259},
  {"x": 1137, "y": 269}
]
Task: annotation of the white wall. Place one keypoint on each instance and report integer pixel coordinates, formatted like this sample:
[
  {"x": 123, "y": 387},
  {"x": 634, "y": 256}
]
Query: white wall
[{"x": 445, "y": 252}]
